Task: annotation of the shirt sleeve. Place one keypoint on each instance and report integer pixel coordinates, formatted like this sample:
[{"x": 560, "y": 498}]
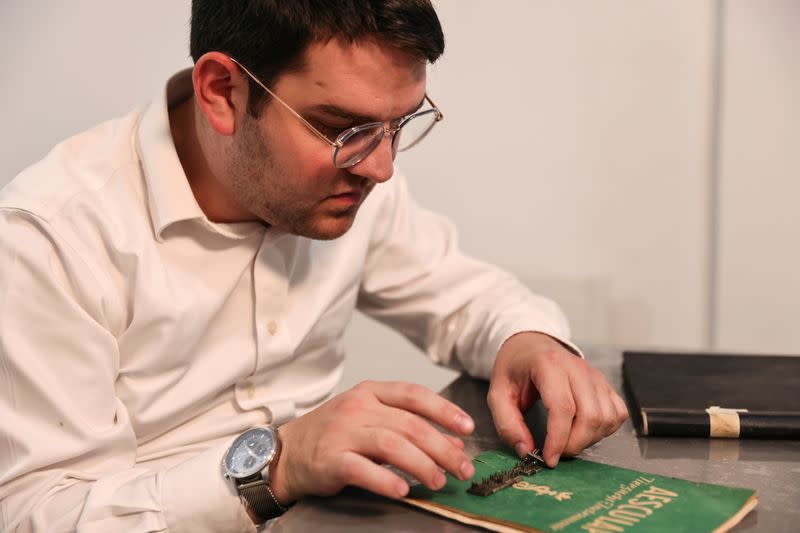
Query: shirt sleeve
[
  {"x": 455, "y": 308},
  {"x": 67, "y": 445}
]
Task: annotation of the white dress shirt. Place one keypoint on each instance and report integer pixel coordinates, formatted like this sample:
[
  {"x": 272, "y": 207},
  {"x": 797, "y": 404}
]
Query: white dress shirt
[{"x": 137, "y": 338}]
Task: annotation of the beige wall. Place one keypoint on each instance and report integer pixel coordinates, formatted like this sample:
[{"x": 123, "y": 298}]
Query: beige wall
[
  {"x": 576, "y": 151},
  {"x": 66, "y": 66},
  {"x": 758, "y": 291},
  {"x": 586, "y": 131}
]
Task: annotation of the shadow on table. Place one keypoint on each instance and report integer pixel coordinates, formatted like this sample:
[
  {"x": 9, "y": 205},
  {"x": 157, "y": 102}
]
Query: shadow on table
[
  {"x": 370, "y": 512},
  {"x": 712, "y": 449}
]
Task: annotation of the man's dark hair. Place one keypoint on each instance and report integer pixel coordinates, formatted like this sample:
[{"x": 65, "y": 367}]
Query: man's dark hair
[{"x": 269, "y": 37}]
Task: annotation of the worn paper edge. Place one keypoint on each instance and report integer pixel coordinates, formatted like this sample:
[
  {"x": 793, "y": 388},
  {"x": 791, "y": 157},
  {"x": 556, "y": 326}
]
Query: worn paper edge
[
  {"x": 470, "y": 519},
  {"x": 748, "y": 506},
  {"x": 507, "y": 527}
]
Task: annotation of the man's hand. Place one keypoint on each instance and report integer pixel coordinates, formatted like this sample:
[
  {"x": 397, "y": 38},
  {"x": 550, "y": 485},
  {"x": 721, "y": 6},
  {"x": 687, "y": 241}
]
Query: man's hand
[
  {"x": 345, "y": 441},
  {"x": 582, "y": 408}
]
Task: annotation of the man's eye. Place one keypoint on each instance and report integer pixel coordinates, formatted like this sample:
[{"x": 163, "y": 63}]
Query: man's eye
[{"x": 332, "y": 130}]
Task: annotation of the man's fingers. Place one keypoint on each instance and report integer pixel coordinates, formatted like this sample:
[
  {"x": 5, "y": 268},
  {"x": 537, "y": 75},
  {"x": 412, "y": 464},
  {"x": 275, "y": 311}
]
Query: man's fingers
[
  {"x": 387, "y": 446},
  {"x": 338, "y": 443},
  {"x": 599, "y": 413},
  {"x": 424, "y": 402},
  {"x": 581, "y": 406},
  {"x": 431, "y": 441},
  {"x": 607, "y": 399},
  {"x": 557, "y": 397},
  {"x": 620, "y": 408},
  {"x": 594, "y": 412},
  {"x": 608, "y": 423},
  {"x": 354, "y": 469},
  {"x": 455, "y": 441},
  {"x": 503, "y": 400}
]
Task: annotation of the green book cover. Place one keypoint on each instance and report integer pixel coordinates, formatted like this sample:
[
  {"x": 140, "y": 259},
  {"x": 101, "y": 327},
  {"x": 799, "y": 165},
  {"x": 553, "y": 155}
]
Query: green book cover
[{"x": 583, "y": 496}]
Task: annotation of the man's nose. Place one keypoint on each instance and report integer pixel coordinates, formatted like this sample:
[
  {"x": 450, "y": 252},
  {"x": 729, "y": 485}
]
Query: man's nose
[{"x": 378, "y": 166}]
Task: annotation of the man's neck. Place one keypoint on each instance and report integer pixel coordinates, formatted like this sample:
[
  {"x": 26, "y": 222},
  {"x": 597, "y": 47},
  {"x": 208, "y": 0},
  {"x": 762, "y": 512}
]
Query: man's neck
[{"x": 211, "y": 195}]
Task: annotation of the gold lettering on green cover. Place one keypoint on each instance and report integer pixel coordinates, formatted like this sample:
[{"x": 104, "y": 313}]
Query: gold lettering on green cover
[
  {"x": 629, "y": 513},
  {"x": 608, "y": 502},
  {"x": 584, "y": 496},
  {"x": 542, "y": 490}
]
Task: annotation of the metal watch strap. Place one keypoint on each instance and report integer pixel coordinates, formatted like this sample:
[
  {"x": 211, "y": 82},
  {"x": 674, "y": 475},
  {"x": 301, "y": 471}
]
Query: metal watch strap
[{"x": 261, "y": 500}]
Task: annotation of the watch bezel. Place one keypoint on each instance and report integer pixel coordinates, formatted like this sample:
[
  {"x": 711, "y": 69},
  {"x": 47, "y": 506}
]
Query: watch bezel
[{"x": 256, "y": 472}]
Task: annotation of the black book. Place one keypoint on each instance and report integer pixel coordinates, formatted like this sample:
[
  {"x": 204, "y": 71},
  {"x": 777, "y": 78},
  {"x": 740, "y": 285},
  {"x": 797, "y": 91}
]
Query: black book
[{"x": 713, "y": 395}]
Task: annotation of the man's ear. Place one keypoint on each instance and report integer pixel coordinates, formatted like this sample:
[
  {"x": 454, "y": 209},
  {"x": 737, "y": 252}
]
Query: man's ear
[{"x": 220, "y": 90}]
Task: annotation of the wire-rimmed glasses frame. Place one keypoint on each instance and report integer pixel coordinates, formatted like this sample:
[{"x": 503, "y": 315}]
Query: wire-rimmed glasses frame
[{"x": 354, "y": 144}]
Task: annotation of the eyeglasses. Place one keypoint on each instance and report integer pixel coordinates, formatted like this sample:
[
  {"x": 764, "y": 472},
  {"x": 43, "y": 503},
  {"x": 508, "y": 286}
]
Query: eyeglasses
[{"x": 354, "y": 144}]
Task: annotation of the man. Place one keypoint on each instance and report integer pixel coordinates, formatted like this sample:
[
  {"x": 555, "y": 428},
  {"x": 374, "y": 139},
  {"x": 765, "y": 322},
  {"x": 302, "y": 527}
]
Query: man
[{"x": 183, "y": 275}]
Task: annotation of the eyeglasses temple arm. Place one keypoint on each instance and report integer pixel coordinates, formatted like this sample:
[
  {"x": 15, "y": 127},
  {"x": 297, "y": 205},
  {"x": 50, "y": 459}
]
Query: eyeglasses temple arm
[
  {"x": 306, "y": 123},
  {"x": 439, "y": 114}
]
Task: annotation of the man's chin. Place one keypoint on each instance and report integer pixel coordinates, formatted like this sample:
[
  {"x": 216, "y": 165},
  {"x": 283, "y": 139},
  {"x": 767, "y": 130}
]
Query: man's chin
[{"x": 329, "y": 227}]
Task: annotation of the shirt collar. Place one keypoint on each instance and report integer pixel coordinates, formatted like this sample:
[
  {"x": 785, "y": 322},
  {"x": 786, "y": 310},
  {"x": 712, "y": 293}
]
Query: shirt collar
[{"x": 170, "y": 198}]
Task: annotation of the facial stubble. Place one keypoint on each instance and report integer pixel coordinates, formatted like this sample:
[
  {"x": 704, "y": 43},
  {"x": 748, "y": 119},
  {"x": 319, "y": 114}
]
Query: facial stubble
[{"x": 263, "y": 187}]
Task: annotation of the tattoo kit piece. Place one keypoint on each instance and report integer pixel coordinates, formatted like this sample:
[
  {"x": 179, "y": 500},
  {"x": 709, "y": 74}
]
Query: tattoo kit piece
[{"x": 527, "y": 466}]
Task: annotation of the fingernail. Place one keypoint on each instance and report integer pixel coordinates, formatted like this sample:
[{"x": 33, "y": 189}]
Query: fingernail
[
  {"x": 552, "y": 460},
  {"x": 465, "y": 423},
  {"x": 402, "y": 489},
  {"x": 439, "y": 480},
  {"x": 521, "y": 448},
  {"x": 467, "y": 470}
]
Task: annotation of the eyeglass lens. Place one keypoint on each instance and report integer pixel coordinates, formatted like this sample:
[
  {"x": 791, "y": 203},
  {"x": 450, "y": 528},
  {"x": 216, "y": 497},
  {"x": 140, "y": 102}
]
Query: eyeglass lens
[
  {"x": 414, "y": 130},
  {"x": 359, "y": 142}
]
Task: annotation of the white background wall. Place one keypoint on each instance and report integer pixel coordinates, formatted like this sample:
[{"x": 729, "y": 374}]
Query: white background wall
[
  {"x": 587, "y": 147},
  {"x": 758, "y": 288}
]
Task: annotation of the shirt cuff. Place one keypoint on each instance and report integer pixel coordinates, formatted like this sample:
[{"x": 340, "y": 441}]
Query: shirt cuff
[
  {"x": 198, "y": 499},
  {"x": 563, "y": 341},
  {"x": 500, "y": 336}
]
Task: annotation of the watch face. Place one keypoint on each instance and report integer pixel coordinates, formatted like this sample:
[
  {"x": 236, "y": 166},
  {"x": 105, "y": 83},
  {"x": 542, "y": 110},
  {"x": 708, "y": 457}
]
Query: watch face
[{"x": 250, "y": 452}]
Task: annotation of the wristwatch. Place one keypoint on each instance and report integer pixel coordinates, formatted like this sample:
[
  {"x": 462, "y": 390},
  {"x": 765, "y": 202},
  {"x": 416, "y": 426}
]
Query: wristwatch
[{"x": 246, "y": 465}]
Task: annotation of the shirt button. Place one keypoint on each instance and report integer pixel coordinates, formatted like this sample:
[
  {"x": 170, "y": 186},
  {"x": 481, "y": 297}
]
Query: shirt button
[{"x": 272, "y": 327}]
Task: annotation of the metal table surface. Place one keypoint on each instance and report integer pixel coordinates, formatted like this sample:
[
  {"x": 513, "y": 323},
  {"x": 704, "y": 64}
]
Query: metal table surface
[{"x": 771, "y": 467}]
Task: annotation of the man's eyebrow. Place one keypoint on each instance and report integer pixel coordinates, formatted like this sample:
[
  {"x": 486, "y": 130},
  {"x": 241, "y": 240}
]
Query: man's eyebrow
[{"x": 337, "y": 111}]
